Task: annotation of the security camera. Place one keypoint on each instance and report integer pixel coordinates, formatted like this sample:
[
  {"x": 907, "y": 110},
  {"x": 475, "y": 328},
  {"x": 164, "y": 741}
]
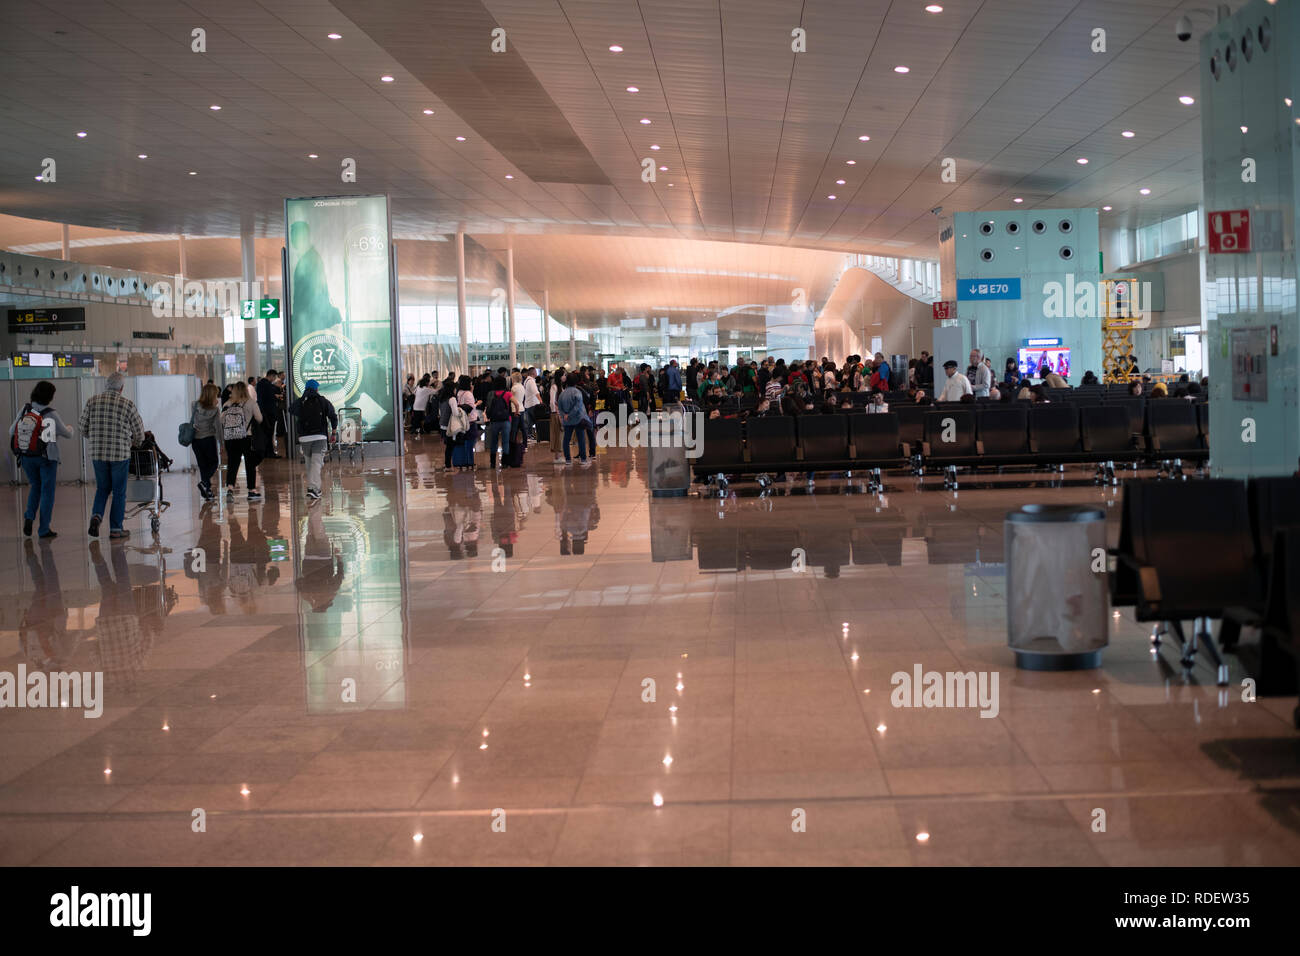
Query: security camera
[
  {"x": 936, "y": 210},
  {"x": 1183, "y": 28}
]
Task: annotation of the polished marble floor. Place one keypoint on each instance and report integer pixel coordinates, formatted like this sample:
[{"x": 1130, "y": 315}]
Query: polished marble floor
[{"x": 438, "y": 668}]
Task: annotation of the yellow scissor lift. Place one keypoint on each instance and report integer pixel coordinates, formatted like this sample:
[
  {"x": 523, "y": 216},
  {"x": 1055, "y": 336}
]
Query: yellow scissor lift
[{"x": 1117, "y": 330}]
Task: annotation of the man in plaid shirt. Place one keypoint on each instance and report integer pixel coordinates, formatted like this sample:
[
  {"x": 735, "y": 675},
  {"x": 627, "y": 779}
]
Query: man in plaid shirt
[{"x": 111, "y": 423}]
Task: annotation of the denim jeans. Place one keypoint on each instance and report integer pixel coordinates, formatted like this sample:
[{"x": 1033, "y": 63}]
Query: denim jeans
[
  {"x": 581, "y": 430},
  {"x": 110, "y": 478},
  {"x": 497, "y": 430},
  {"x": 42, "y": 474}
]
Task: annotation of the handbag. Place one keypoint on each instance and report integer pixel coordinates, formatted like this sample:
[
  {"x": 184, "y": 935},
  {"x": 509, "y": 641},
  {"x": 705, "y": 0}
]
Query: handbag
[{"x": 185, "y": 434}]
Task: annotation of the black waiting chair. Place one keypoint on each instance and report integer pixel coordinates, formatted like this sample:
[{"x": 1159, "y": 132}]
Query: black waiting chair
[
  {"x": 722, "y": 452},
  {"x": 950, "y": 440},
  {"x": 874, "y": 443},
  {"x": 770, "y": 445},
  {"x": 1173, "y": 435},
  {"x": 1054, "y": 433},
  {"x": 1185, "y": 553},
  {"x": 1106, "y": 439},
  {"x": 823, "y": 441}
]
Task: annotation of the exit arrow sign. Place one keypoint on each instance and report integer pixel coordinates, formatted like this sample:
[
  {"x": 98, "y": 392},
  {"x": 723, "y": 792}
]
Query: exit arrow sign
[{"x": 259, "y": 309}]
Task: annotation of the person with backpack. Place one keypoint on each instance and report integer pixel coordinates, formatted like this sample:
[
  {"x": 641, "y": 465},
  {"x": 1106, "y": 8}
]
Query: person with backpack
[
  {"x": 204, "y": 416},
  {"x": 34, "y": 439},
  {"x": 498, "y": 416},
  {"x": 237, "y": 418},
  {"x": 316, "y": 416},
  {"x": 112, "y": 424}
]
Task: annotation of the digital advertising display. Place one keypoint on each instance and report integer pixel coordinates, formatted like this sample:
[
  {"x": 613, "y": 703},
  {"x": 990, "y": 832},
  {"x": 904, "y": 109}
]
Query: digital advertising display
[
  {"x": 1036, "y": 362},
  {"x": 341, "y": 318}
]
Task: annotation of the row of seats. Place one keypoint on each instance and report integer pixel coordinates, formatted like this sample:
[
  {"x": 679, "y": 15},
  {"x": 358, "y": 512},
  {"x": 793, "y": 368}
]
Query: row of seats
[
  {"x": 952, "y": 436},
  {"x": 1219, "y": 549}
]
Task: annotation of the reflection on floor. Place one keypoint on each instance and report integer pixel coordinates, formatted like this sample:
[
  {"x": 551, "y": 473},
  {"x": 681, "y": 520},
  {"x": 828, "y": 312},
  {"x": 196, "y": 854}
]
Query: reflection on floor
[{"x": 430, "y": 667}]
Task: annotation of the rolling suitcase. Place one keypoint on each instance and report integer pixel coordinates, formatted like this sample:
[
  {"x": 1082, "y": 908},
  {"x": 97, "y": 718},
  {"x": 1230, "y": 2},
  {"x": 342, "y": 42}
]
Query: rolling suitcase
[
  {"x": 515, "y": 454},
  {"x": 462, "y": 455}
]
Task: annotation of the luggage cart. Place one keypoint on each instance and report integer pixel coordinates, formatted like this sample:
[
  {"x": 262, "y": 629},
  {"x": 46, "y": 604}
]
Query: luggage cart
[
  {"x": 349, "y": 433},
  {"x": 144, "y": 487}
]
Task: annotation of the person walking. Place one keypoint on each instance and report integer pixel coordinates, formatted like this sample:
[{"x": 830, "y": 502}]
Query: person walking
[
  {"x": 237, "y": 418},
  {"x": 112, "y": 424},
  {"x": 204, "y": 415},
  {"x": 34, "y": 438},
  {"x": 313, "y": 412}
]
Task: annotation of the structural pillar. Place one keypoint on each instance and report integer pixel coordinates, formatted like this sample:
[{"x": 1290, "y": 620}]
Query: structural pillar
[
  {"x": 573, "y": 342},
  {"x": 65, "y": 244},
  {"x": 460, "y": 302},
  {"x": 510, "y": 306},
  {"x": 546, "y": 328},
  {"x": 248, "y": 273}
]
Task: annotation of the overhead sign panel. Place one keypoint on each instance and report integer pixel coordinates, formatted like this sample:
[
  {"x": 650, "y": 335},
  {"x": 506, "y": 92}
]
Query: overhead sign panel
[
  {"x": 45, "y": 321},
  {"x": 987, "y": 289}
]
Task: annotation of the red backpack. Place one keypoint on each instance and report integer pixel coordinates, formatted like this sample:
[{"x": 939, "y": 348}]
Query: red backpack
[{"x": 27, "y": 433}]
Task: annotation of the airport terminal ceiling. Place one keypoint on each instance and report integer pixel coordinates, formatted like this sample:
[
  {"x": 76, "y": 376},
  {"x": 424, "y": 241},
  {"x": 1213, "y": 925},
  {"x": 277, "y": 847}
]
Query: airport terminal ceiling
[{"x": 748, "y": 139}]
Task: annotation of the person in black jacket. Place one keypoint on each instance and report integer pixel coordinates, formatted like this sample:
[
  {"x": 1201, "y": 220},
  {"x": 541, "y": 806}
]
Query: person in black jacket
[{"x": 315, "y": 415}]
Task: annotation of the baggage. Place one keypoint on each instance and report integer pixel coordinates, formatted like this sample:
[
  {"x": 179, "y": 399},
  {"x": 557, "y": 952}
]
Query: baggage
[
  {"x": 518, "y": 443},
  {"x": 462, "y": 455}
]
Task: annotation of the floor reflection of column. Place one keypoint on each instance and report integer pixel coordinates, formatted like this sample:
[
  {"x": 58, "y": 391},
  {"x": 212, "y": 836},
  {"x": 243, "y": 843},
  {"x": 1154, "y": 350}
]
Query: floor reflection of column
[{"x": 351, "y": 584}]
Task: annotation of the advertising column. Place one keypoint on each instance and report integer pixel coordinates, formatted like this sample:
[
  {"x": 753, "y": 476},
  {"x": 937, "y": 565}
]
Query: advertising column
[{"x": 341, "y": 319}]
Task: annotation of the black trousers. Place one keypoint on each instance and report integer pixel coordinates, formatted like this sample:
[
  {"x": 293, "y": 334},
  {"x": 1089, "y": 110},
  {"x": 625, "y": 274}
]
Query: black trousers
[{"x": 235, "y": 450}]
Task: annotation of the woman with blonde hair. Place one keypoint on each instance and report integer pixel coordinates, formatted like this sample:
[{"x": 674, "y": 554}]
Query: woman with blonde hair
[{"x": 237, "y": 418}]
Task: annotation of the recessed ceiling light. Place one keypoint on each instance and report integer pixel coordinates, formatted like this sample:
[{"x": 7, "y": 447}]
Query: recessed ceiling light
[
  {"x": 313, "y": 156},
  {"x": 1187, "y": 100},
  {"x": 1245, "y": 129},
  {"x": 634, "y": 89},
  {"x": 1128, "y": 134},
  {"x": 193, "y": 173},
  {"x": 616, "y": 49},
  {"x": 1286, "y": 100},
  {"x": 1018, "y": 199},
  {"x": 839, "y": 182},
  {"x": 901, "y": 69},
  {"x": 850, "y": 162},
  {"x": 934, "y": 8},
  {"x": 335, "y": 36},
  {"x": 864, "y": 138},
  {"x": 81, "y": 135},
  {"x": 1082, "y": 160},
  {"x": 644, "y": 121},
  {"x": 1105, "y": 208},
  {"x": 428, "y": 112},
  {"x": 214, "y": 106},
  {"x": 509, "y": 176},
  {"x": 386, "y": 78},
  {"x": 654, "y": 145},
  {"x": 672, "y": 184},
  {"x": 1144, "y": 191},
  {"x": 831, "y": 196},
  {"x": 460, "y": 139},
  {"x": 143, "y": 156},
  {"x": 663, "y": 169}
]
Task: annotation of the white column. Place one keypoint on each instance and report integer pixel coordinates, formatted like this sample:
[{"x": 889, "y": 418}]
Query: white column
[
  {"x": 573, "y": 342},
  {"x": 546, "y": 328},
  {"x": 460, "y": 302},
  {"x": 180, "y": 248},
  {"x": 248, "y": 274},
  {"x": 510, "y": 305},
  {"x": 65, "y": 244}
]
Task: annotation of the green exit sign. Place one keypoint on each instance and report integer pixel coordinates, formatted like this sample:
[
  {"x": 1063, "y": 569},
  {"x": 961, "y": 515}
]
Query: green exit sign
[{"x": 259, "y": 309}]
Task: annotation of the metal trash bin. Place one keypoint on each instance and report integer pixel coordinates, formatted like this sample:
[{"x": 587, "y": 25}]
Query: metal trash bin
[
  {"x": 1057, "y": 605},
  {"x": 670, "y": 475}
]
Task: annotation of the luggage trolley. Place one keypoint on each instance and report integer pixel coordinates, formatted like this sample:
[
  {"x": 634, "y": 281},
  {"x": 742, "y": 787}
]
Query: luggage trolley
[
  {"x": 144, "y": 487},
  {"x": 349, "y": 433}
]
